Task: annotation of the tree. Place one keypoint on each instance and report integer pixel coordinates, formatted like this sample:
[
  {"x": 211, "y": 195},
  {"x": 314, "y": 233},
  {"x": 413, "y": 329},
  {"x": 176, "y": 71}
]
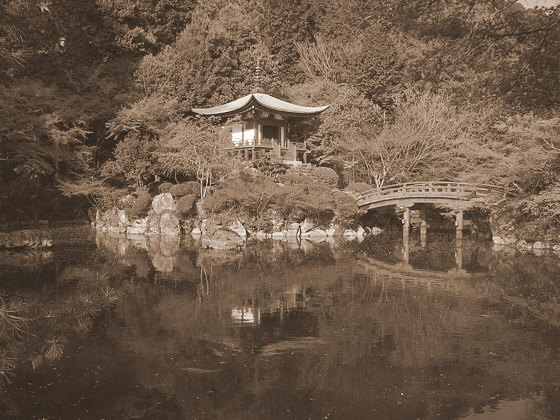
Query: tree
[
  {"x": 425, "y": 131},
  {"x": 147, "y": 25},
  {"x": 194, "y": 149},
  {"x": 213, "y": 60}
]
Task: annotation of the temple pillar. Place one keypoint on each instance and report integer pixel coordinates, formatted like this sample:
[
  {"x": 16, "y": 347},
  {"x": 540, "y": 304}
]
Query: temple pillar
[
  {"x": 305, "y": 157},
  {"x": 253, "y": 153},
  {"x": 282, "y": 135}
]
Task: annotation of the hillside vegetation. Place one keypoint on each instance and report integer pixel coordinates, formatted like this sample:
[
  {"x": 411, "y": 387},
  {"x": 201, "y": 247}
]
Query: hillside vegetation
[{"x": 96, "y": 95}]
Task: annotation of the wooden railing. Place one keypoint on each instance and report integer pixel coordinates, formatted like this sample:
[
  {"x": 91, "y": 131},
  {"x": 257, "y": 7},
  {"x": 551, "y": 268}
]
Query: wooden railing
[
  {"x": 268, "y": 143},
  {"x": 429, "y": 189},
  {"x": 287, "y": 151}
]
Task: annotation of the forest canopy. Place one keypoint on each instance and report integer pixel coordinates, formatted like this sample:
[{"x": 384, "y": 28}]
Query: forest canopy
[{"x": 98, "y": 93}]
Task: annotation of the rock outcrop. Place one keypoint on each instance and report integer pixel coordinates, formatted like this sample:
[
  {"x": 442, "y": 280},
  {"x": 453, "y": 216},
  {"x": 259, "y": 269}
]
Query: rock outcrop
[
  {"x": 223, "y": 238},
  {"x": 24, "y": 239},
  {"x": 163, "y": 219}
]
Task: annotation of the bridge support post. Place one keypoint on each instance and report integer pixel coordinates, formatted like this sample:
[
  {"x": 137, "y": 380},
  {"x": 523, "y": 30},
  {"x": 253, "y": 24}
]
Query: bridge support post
[
  {"x": 406, "y": 219},
  {"x": 423, "y": 234},
  {"x": 459, "y": 224}
]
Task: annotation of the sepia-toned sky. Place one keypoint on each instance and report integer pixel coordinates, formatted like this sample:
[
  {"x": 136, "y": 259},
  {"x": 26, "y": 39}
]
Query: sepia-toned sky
[{"x": 533, "y": 3}]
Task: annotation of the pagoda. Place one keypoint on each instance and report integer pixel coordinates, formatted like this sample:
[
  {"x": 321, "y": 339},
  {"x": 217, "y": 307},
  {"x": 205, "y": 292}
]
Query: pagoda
[{"x": 263, "y": 126}]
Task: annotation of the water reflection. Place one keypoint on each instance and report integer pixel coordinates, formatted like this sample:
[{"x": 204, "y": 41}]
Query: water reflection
[{"x": 290, "y": 330}]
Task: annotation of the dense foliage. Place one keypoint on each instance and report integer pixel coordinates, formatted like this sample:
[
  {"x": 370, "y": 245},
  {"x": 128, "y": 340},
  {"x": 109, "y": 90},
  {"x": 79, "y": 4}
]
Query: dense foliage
[
  {"x": 96, "y": 94},
  {"x": 259, "y": 202}
]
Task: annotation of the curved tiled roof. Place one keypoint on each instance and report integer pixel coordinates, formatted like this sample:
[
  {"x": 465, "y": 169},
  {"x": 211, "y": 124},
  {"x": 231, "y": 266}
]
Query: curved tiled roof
[{"x": 263, "y": 102}]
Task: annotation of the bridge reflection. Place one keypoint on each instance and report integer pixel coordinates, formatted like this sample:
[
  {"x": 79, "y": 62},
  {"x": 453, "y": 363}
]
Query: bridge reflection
[{"x": 406, "y": 249}]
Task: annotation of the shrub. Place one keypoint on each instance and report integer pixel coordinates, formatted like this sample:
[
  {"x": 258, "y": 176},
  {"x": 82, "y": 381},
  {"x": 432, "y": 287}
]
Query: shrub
[
  {"x": 325, "y": 175},
  {"x": 185, "y": 205},
  {"x": 140, "y": 207},
  {"x": 294, "y": 179},
  {"x": 345, "y": 205},
  {"x": 185, "y": 188},
  {"x": 164, "y": 187},
  {"x": 341, "y": 198},
  {"x": 269, "y": 166},
  {"x": 320, "y": 197},
  {"x": 248, "y": 199},
  {"x": 359, "y": 187},
  {"x": 295, "y": 202}
]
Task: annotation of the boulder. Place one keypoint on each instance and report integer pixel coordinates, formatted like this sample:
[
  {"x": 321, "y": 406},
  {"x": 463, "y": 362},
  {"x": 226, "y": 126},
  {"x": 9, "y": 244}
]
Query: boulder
[
  {"x": 277, "y": 224},
  {"x": 223, "y": 238},
  {"x": 375, "y": 230},
  {"x": 99, "y": 219},
  {"x": 112, "y": 218},
  {"x": 360, "y": 231},
  {"x": 306, "y": 226},
  {"x": 204, "y": 226},
  {"x": 238, "y": 227},
  {"x": 152, "y": 223},
  {"x": 163, "y": 203},
  {"x": 349, "y": 234},
  {"x": 123, "y": 220},
  {"x": 138, "y": 227},
  {"x": 24, "y": 239},
  {"x": 116, "y": 229},
  {"x": 196, "y": 232},
  {"x": 503, "y": 241},
  {"x": 169, "y": 224},
  {"x": 540, "y": 245},
  {"x": 293, "y": 230}
]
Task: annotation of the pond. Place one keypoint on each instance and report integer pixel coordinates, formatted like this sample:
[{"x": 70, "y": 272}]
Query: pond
[{"x": 107, "y": 327}]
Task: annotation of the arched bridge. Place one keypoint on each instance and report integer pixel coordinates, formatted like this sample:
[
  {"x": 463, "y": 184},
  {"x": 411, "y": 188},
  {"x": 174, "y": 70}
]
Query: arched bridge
[{"x": 437, "y": 192}]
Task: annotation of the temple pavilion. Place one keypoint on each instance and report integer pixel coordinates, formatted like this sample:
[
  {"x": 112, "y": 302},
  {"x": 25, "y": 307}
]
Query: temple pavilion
[{"x": 263, "y": 126}]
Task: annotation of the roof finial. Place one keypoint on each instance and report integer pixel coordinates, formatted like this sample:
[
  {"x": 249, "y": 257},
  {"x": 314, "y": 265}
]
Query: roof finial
[{"x": 258, "y": 75}]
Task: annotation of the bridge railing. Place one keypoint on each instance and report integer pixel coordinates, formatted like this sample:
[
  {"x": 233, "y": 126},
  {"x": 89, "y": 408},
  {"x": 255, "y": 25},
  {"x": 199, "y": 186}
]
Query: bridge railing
[{"x": 427, "y": 189}]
